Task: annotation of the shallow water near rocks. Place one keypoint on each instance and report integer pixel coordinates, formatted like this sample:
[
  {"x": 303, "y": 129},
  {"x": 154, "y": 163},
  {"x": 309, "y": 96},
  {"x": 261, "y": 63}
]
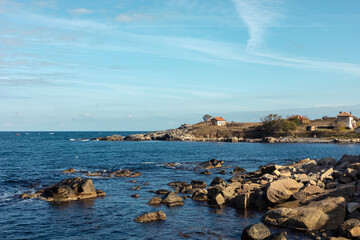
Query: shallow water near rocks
[{"x": 37, "y": 159}]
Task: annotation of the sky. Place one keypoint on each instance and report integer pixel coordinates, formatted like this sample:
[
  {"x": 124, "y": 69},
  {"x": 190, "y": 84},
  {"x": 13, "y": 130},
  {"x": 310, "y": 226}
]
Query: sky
[{"x": 156, "y": 64}]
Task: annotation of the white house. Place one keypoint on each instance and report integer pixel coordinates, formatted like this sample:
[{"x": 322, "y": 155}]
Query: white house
[
  {"x": 218, "y": 121},
  {"x": 346, "y": 118}
]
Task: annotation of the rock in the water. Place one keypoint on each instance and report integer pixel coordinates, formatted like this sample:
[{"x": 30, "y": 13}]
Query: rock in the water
[
  {"x": 70, "y": 170},
  {"x": 351, "y": 228},
  {"x": 256, "y": 231},
  {"x": 100, "y": 193},
  {"x": 109, "y": 138},
  {"x": 213, "y": 163},
  {"x": 198, "y": 184},
  {"x": 218, "y": 181},
  {"x": 135, "y": 195},
  {"x": 171, "y": 199},
  {"x": 151, "y": 216},
  {"x": 277, "y": 236},
  {"x": 162, "y": 191},
  {"x": 281, "y": 190},
  {"x": 155, "y": 200},
  {"x": 70, "y": 189},
  {"x": 207, "y": 172},
  {"x": 238, "y": 170}
]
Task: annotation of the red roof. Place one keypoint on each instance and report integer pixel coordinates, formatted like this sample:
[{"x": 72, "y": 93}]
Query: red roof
[
  {"x": 219, "y": 119},
  {"x": 345, "y": 114},
  {"x": 298, "y": 117}
]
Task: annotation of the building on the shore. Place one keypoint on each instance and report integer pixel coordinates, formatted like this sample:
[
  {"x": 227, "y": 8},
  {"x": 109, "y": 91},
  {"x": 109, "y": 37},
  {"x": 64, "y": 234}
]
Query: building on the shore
[
  {"x": 218, "y": 121},
  {"x": 346, "y": 118},
  {"x": 299, "y": 119},
  {"x": 357, "y": 130}
]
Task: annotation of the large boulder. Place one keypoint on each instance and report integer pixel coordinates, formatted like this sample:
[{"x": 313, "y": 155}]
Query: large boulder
[
  {"x": 280, "y": 190},
  {"x": 150, "y": 217},
  {"x": 70, "y": 189},
  {"x": 327, "y": 214},
  {"x": 171, "y": 199},
  {"x": 256, "y": 231}
]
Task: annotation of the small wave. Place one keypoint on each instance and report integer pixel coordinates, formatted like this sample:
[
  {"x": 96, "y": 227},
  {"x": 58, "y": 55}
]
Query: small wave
[
  {"x": 72, "y": 139},
  {"x": 148, "y": 162}
]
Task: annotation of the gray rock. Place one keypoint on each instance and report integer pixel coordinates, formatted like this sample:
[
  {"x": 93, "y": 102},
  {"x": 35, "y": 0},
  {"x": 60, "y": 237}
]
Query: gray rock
[{"x": 256, "y": 231}]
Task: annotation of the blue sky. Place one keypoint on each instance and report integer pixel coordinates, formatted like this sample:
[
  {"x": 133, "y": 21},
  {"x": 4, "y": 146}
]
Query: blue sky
[{"x": 150, "y": 64}]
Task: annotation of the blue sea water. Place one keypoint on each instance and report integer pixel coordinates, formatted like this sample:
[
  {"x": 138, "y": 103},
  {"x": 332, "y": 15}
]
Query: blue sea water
[{"x": 36, "y": 159}]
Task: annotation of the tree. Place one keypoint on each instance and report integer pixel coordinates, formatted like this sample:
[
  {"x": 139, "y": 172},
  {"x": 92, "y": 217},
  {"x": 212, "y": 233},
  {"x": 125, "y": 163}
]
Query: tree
[
  {"x": 207, "y": 117},
  {"x": 273, "y": 125}
]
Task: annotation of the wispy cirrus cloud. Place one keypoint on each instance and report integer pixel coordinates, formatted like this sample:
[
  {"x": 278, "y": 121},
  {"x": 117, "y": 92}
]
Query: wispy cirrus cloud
[
  {"x": 80, "y": 11},
  {"x": 258, "y": 16},
  {"x": 131, "y": 17}
]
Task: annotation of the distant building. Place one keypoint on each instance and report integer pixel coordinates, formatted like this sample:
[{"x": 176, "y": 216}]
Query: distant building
[
  {"x": 357, "y": 130},
  {"x": 299, "y": 119},
  {"x": 218, "y": 121},
  {"x": 311, "y": 128},
  {"x": 346, "y": 118}
]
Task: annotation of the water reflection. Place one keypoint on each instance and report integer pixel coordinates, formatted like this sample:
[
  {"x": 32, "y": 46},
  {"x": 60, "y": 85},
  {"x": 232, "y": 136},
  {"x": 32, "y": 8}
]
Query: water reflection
[{"x": 84, "y": 203}]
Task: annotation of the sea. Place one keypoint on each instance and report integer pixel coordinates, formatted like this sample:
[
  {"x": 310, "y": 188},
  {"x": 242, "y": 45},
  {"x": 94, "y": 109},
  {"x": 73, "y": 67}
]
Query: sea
[{"x": 30, "y": 161}]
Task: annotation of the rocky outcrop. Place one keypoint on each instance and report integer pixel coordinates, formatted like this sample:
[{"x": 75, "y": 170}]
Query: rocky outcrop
[
  {"x": 111, "y": 174},
  {"x": 68, "y": 190},
  {"x": 112, "y": 138},
  {"x": 151, "y": 216}
]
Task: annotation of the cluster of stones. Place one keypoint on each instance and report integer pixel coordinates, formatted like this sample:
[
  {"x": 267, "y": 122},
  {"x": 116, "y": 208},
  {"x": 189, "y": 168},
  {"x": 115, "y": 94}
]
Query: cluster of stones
[
  {"x": 67, "y": 190},
  {"x": 309, "y": 195},
  {"x": 118, "y": 173}
]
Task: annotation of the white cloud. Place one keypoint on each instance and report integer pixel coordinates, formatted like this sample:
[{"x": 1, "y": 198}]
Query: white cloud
[
  {"x": 257, "y": 15},
  {"x": 131, "y": 17},
  {"x": 85, "y": 115},
  {"x": 80, "y": 11}
]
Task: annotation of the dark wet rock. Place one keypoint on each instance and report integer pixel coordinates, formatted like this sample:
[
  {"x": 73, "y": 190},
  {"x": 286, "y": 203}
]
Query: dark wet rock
[
  {"x": 207, "y": 172},
  {"x": 212, "y": 191},
  {"x": 213, "y": 163},
  {"x": 351, "y": 228},
  {"x": 28, "y": 196},
  {"x": 155, "y": 200},
  {"x": 137, "y": 188},
  {"x": 200, "y": 195},
  {"x": 177, "y": 185},
  {"x": 135, "y": 195},
  {"x": 133, "y": 181},
  {"x": 162, "y": 191},
  {"x": 147, "y": 183},
  {"x": 256, "y": 231},
  {"x": 218, "y": 181},
  {"x": 238, "y": 170},
  {"x": 70, "y": 189},
  {"x": 281, "y": 190},
  {"x": 171, "y": 199},
  {"x": 218, "y": 199},
  {"x": 268, "y": 168},
  {"x": 100, "y": 193},
  {"x": 109, "y": 138},
  {"x": 223, "y": 172},
  {"x": 70, "y": 170},
  {"x": 151, "y": 216},
  {"x": 198, "y": 184}
]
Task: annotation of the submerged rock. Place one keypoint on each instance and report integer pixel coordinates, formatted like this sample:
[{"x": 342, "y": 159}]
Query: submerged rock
[
  {"x": 70, "y": 170},
  {"x": 150, "y": 217},
  {"x": 213, "y": 163}
]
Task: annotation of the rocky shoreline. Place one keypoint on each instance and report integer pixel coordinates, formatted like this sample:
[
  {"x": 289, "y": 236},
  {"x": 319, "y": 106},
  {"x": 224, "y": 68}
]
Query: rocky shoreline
[
  {"x": 185, "y": 134},
  {"x": 321, "y": 197}
]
